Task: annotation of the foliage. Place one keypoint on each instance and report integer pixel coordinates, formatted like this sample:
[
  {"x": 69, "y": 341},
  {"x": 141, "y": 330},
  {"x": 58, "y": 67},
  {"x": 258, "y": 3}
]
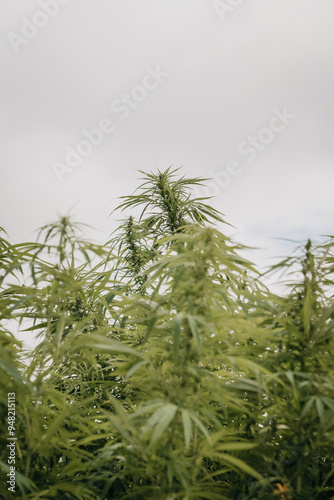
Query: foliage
[{"x": 164, "y": 368}]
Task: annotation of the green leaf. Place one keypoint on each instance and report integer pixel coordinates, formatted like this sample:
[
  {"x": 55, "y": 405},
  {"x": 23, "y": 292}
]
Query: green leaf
[
  {"x": 194, "y": 331},
  {"x": 320, "y": 410},
  {"x": 135, "y": 367},
  {"x": 235, "y": 446},
  {"x": 307, "y": 407},
  {"x": 186, "y": 428},
  {"x": 241, "y": 465},
  {"x": 103, "y": 344},
  {"x": 177, "y": 324},
  {"x": 162, "y": 418}
]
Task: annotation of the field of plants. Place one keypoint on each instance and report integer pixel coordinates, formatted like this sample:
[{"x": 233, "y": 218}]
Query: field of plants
[{"x": 165, "y": 369}]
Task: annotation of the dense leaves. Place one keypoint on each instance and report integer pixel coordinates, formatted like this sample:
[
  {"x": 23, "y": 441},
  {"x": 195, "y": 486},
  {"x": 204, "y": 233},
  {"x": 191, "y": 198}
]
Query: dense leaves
[{"x": 164, "y": 368}]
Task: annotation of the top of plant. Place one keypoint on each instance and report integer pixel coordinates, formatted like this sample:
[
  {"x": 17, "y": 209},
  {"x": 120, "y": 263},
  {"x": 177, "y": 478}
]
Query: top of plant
[{"x": 168, "y": 202}]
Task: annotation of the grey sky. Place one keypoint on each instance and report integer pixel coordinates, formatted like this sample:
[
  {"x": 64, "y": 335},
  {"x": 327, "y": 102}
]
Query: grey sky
[{"x": 225, "y": 77}]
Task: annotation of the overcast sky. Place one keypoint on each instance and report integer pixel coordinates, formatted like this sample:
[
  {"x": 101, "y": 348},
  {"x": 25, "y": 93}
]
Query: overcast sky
[{"x": 241, "y": 93}]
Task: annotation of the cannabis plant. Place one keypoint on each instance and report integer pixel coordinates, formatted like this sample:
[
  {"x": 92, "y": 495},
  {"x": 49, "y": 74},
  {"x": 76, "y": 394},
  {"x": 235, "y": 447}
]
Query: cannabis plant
[{"x": 163, "y": 368}]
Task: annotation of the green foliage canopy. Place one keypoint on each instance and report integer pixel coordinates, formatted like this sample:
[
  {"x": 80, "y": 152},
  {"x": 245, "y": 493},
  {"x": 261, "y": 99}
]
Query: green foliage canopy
[{"x": 164, "y": 368}]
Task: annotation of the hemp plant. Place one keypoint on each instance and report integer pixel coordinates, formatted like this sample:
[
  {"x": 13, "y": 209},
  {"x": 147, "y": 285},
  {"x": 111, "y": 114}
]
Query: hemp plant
[
  {"x": 164, "y": 369},
  {"x": 167, "y": 206}
]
